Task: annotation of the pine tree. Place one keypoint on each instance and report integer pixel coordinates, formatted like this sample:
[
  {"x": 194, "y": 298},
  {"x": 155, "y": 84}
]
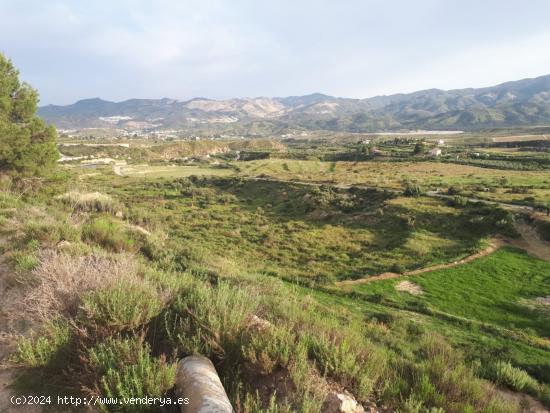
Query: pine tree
[{"x": 27, "y": 144}]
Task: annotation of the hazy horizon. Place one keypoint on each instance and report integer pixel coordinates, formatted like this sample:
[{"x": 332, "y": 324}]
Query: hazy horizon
[
  {"x": 185, "y": 49},
  {"x": 267, "y": 97}
]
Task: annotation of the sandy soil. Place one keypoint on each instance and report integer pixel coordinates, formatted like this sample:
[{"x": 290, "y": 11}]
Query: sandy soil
[{"x": 409, "y": 287}]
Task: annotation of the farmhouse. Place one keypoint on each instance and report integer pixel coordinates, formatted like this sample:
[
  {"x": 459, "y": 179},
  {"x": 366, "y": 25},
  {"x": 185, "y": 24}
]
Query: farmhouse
[{"x": 435, "y": 152}]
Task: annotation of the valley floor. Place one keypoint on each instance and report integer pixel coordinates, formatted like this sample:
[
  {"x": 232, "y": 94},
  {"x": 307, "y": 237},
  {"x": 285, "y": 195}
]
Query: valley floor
[{"x": 126, "y": 273}]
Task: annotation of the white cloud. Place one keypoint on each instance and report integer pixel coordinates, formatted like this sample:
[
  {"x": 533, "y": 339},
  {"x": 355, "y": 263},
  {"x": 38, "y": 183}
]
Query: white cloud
[{"x": 184, "y": 48}]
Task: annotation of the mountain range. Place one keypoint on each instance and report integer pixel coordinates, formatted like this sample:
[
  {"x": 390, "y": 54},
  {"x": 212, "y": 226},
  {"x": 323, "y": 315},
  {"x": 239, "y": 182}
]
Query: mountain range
[{"x": 518, "y": 103}]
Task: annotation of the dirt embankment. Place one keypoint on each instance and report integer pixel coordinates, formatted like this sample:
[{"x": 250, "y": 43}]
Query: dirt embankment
[{"x": 531, "y": 242}]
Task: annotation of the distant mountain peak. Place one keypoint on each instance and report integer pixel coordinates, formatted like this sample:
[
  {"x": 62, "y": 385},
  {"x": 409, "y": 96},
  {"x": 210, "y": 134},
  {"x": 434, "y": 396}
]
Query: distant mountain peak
[{"x": 91, "y": 100}]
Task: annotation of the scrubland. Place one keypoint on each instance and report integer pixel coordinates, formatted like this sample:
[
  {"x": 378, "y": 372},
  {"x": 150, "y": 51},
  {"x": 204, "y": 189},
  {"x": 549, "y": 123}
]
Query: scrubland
[{"x": 113, "y": 279}]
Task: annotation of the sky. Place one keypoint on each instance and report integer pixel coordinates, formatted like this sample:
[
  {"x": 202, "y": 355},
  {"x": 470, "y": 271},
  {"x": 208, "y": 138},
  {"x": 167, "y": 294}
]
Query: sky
[{"x": 219, "y": 49}]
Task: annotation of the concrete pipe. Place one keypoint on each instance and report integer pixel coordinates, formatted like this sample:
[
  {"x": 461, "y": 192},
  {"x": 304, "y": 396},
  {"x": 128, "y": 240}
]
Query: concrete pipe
[{"x": 197, "y": 380}]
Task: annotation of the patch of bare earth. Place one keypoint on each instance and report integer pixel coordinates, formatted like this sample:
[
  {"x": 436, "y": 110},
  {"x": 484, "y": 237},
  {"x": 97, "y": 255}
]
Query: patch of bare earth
[
  {"x": 528, "y": 403},
  {"x": 543, "y": 300},
  {"x": 409, "y": 287},
  {"x": 531, "y": 242}
]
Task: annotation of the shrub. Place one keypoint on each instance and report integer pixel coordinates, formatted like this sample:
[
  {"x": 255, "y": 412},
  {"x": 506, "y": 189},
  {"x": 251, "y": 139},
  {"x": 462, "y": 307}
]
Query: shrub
[
  {"x": 453, "y": 190},
  {"x": 62, "y": 279},
  {"x": 109, "y": 234},
  {"x": 502, "y": 372},
  {"x": 269, "y": 348},
  {"x": 121, "y": 307},
  {"x": 49, "y": 229},
  {"x": 209, "y": 320},
  {"x": 351, "y": 360},
  {"x": 26, "y": 262},
  {"x": 43, "y": 350},
  {"x": 413, "y": 190},
  {"x": 459, "y": 201},
  {"x": 89, "y": 201},
  {"x": 125, "y": 368},
  {"x": 397, "y": 268}
]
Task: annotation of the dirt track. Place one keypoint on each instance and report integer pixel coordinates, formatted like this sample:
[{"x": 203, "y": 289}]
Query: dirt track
[
  {"x": 495, "y": 244},
  {"x": 530, "y": 241}
]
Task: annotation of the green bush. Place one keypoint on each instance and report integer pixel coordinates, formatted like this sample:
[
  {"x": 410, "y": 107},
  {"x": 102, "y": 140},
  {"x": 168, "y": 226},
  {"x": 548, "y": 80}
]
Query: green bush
[
  {"x": 459, "y": 201},
  {"x": 397, "y": 268},
  {"x": 454, "y": 190},
  {"x": 125, "y": 368},
  {"x": 90, "y": 202},
  {"x": 351, "y": 360},
  {"x": 502, "y": 372},
  {"x": 122, "y": 307},
  {"x": 109, "y": 234},
  {"x": 43, "y": 350},
  {"x": 208, "y": 320},
  {"x": 413, "y": 190},
  {"x": 50, "y": 230},
  {"x": 269, "y": 348}
]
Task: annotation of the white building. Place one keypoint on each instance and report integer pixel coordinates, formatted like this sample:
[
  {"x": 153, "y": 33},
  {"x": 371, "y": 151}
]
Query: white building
[{"x": 435, "y": 152}]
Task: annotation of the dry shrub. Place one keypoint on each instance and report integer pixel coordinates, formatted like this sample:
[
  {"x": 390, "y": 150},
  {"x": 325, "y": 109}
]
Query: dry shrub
[
  {"x": 62, "y": 279},
  {"x": 89, "y": 201}
]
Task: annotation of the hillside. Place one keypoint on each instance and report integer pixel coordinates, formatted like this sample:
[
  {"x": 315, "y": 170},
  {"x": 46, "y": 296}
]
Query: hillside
[{"x": 517, "y": 103}]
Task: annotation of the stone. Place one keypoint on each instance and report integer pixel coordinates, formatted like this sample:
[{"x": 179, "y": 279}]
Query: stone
[
  {"x": 341, "y": 403},
  {"x": 257, "y": 323},
  {"x": 63, "y": 244}
]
